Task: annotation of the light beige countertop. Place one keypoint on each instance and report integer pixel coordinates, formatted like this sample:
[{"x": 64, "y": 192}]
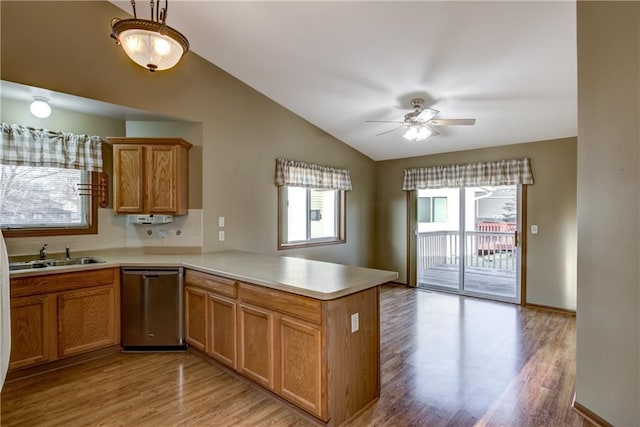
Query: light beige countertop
[{"x": 315, "y": 279}]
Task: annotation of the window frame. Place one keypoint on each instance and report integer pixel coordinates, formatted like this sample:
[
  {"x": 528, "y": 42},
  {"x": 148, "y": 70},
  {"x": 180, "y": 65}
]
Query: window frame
[
  {"x": 341, "y": 222},
  {"x": 91, "y": 228}
]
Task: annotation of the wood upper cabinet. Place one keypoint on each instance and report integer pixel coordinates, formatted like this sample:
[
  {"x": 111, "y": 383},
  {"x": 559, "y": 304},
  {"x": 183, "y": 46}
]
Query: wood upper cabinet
[
  {"x": 86, "y": 320},
  {"x": 32, "y": 321},
  {"x": 150, "y": 175},
  {"x": 59, "y": 315},
  {"x": 128, "y": 183}
]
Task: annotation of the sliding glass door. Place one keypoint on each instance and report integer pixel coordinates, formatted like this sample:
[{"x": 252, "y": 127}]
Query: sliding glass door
[{"x": 468, "y": 241}]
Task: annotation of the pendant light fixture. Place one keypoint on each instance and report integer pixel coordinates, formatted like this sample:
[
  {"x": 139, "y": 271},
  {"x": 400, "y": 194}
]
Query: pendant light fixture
[{"x": 150, "y": 43}]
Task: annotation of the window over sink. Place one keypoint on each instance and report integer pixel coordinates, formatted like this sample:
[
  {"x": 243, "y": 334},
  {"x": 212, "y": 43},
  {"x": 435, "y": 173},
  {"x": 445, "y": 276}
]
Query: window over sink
[
  {"x": 47, "y": 180},
  {"x": 43, "y": 198}
]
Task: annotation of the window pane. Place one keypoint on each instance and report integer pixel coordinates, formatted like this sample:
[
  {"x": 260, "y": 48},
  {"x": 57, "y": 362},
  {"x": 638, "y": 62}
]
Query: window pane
[
  {"x": 439, "y": 209},
  {"x": 424, "y": 209},
  {"x": 296, "y": 214},
  {"x": 42, "y": 197},
  {"x": 323, "y": 213}
]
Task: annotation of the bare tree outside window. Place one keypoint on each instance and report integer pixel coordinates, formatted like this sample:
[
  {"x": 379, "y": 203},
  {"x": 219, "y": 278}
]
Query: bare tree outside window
[{"x": 42, "y": 197}]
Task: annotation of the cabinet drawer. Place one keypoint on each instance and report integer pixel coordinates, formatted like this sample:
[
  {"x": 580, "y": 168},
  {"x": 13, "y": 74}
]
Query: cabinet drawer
[
  {"x": 34, "y": 285},
  {"x": 211, "y": 283},
  {"x": 304, "y": 308}
]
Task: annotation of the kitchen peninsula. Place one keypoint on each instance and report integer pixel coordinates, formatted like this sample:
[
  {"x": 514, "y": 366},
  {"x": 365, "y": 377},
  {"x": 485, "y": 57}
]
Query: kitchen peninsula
[{"x": 308, "y": 331}]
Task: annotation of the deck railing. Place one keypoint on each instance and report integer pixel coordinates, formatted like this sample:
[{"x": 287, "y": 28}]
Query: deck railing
[{"x": 494, "y": 250}]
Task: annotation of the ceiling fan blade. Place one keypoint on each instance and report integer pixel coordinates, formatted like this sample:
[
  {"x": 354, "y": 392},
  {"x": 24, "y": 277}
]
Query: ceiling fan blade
[
  {"x": 426, "y": 114},
  {"x": 449, "y": 122},
  {"x": 389, "y": 131},
  {"x": 382, "y": 121}
]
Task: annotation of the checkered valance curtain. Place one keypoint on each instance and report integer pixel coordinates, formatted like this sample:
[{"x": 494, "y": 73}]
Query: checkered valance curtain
[
  {"x": 300, "y": 174},
  {"x": 25, "y": 146},
  {"x": 502, "y": 172}
]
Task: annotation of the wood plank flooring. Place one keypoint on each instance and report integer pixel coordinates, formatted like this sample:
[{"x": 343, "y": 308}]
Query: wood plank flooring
[{"x": 446, "y": 361}]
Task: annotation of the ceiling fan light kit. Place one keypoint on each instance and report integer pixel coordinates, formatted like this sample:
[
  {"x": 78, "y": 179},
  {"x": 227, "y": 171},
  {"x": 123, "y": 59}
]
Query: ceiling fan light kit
[
  {"x": 419, "y": 122},
  {"x": 150, "y": 43}
]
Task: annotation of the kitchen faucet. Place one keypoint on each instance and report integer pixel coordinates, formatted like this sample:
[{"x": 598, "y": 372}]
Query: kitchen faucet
[
  {"x": 67, "y": 252},
  {"x": 43, "y": 251}
]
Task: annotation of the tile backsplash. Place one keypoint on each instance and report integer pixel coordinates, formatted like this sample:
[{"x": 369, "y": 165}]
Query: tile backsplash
[{"x": 114, "y": 232}]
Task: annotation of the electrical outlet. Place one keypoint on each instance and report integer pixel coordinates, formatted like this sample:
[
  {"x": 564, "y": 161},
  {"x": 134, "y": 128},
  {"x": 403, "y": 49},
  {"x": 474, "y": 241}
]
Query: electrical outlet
[
  {"x": 355, "y": 322},
  {"x": 534, "y": 229},
  {"x": 221, "y": 236},
  {"x": 221, "y": 221},
  {"x": 162, "y": 234}
]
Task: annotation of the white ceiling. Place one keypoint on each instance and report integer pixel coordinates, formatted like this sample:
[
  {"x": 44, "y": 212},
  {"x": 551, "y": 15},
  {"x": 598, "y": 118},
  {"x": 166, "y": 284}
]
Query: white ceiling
[{"x": 510, "y": 65}]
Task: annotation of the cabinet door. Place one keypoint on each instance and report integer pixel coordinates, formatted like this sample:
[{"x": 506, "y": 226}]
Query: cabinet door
[
  {"x": 128, "y": 172},
  {"x": 300, "y": 365},
  {"x": 31, "y": 331},
  {"x": 256, "y": 345},
  {"x": 196, "y": 317},
  {"x": 161, "y": 178},
  {"x": 87, "y": 320},
  {"x": 222, "y": 330}
]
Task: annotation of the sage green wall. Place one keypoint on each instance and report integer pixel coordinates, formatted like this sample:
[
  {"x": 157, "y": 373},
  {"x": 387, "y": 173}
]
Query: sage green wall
[
  {"x": 608, "y": 322},
  {"x": 17, "y": 112},
  {"x": 243, "y": 132},
  {"x": 551, "y": 204}
]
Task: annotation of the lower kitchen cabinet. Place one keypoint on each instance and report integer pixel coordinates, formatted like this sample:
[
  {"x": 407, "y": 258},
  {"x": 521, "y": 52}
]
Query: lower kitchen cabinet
[
  {"x": 32, "y": 322},
  {"x": 289, "y": 343},
  {"x": 195, "y": 301},
  {"x": 300, "y": 366},
  {"x": 256, "y": 345},
  {"x": 86, "y": 320},
  {"x": 54, "y": 316},
  {"x": 221, "y": 343}
]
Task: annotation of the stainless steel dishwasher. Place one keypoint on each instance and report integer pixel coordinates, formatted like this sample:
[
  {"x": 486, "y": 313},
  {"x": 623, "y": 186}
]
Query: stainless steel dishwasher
[{"x": 152, "y": 309}]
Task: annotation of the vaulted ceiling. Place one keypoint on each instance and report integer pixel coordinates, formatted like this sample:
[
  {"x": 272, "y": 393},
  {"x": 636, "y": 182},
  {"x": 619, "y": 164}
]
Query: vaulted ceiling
[{"x": 509, "y": 65}]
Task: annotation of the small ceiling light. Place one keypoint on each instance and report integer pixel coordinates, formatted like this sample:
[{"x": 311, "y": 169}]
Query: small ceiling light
[
  {"x": 40, "y": 107},
  {"x": 150, "y": 43},
  {"x": 417, "y": 133}
]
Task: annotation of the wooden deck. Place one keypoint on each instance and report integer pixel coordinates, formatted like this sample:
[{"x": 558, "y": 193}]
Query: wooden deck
[{"x": 484, "y": 280}]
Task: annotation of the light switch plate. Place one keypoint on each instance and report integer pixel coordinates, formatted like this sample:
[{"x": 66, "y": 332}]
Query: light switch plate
[
  {"x": 355, "y": 322},
  {"x": 534, "y": 229},
  {"x": 221, "y": 221},
  {"x": 221, "y": 236}
]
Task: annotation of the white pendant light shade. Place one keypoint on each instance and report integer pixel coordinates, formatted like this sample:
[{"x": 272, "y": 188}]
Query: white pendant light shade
[
  {"x": 150, "y": 43},
  {"x": 150, "y": 49},
  {"x": 40, "y": 107}
]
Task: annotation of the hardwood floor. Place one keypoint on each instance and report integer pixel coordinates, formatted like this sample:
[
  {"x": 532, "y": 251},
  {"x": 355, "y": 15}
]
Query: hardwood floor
[{"x": 446, "y": 361}]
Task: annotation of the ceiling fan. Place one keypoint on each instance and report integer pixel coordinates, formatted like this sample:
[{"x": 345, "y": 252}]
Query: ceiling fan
[{"x": 421, "y": 121}]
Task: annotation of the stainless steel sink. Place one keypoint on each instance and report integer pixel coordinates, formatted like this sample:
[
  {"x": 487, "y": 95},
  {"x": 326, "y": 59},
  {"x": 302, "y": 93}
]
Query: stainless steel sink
[
  {"x": 25, "y": 265},
  {"x": 60, "y": 262},
  {"x": 73, "y": 261}
]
